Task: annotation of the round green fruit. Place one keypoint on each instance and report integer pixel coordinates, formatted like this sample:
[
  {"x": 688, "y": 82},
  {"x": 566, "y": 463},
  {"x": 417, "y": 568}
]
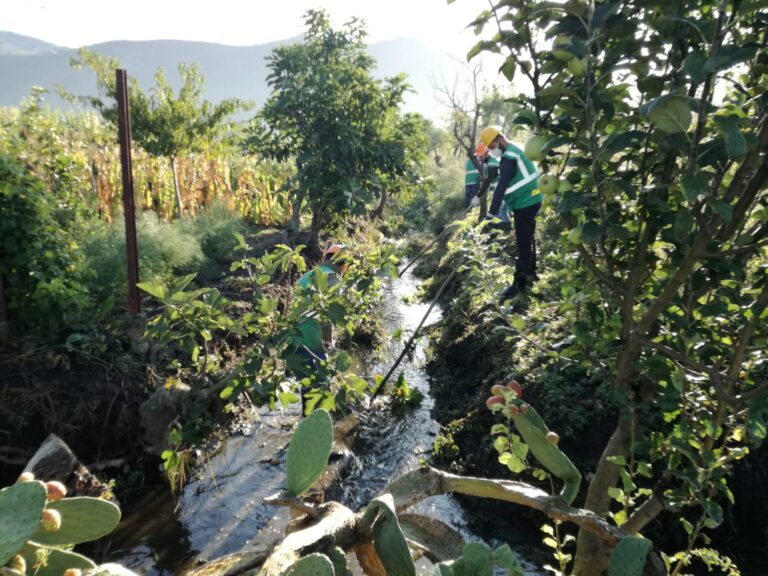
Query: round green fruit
[
  {"x": 577, "y": 66},
  {"x": 533, "y": 146},
  {"x": 672, "y": 116},
  {"x": 574, "y": 236},
  {"x": 562, "y": 55},
  {"x": 548, "y": 184}
]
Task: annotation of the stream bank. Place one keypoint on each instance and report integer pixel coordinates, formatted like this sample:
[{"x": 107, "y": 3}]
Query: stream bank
[{"x": 220, "y": 510}]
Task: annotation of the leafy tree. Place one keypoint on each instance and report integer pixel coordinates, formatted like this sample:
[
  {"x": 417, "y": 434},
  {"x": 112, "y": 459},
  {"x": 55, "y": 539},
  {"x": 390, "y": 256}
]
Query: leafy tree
[
  {"x": 164, "y": 123},
  {"x": 329, "y": 113},
  {"x": 655, "y": 118}
]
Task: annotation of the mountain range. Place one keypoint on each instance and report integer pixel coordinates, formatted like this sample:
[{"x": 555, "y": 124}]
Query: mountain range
[{"x": 230, "y": 71}]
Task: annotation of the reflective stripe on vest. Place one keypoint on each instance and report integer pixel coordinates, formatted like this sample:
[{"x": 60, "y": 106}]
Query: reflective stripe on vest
[{"x": 523, "y": 173}]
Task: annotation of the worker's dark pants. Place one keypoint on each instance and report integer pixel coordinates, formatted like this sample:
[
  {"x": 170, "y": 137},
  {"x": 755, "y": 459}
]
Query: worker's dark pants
[
  {"x": 469, "y": 192},
  {"x": 525, "y": 235}
]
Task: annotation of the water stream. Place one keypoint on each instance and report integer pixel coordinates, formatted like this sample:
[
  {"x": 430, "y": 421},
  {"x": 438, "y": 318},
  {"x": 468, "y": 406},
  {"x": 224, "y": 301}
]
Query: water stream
[{"x": 220, "y": 510}]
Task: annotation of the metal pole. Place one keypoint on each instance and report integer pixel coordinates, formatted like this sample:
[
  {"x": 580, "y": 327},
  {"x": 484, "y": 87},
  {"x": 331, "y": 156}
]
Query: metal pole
[{"x": 129, "y": 209}]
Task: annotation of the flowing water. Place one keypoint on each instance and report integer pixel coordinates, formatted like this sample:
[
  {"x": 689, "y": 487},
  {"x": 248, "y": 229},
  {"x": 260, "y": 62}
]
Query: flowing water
[{"x": 220, "y": 510}]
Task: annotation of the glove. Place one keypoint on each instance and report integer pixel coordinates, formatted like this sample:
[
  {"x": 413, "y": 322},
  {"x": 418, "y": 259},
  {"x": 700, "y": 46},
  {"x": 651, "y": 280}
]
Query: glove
[{"x": 475, "y": 202}]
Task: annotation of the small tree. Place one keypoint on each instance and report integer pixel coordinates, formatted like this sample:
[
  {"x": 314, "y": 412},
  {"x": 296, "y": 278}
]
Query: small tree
[
  {"x": 165, "y": 124},
  {"x": 654, "y": 116},
  {"x": 328, "y": 112}
]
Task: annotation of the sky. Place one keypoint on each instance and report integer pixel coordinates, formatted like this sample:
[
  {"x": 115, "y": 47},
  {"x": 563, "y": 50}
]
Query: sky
[{"x": 76, "y": 23}]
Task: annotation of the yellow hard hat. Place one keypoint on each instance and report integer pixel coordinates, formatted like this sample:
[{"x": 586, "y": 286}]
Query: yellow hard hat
[{"x": 488, "y": 135}]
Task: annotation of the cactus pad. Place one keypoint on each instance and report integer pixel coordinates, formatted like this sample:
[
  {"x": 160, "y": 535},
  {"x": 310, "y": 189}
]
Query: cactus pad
[
  {"x": 82, "y": 519},
  {"x": 308, "y": 452},
  {"x": 388, "y": 538},
  {"x": 628, "y": 559},
  {"x": 312, "y": 565},
  {"x": 44, "y": 561},
  {"x": 339, "y": 560},
  {"x": 21, "y": 507}
]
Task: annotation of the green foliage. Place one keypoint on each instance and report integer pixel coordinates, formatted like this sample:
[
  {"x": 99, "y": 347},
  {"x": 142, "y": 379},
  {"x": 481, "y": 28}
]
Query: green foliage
[
  {"x": 557, "y": 542},
  {"x": 628, "y": 559},
  {"x": 82, "y": 519},
  {"x": 665, "y": 224},
  {"x": 308, "y": 452},
  {"x": 21, "y": 507},
  {"x": 339, "y": 123},
  {"x": 39, "y": 262}
]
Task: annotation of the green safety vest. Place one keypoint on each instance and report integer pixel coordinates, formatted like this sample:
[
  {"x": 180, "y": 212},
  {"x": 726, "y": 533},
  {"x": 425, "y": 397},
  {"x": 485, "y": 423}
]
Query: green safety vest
[
  {"x": 493, "y": 162},
  {"x": 522, "y": 191},
  {"x": 472, "y": 176}
]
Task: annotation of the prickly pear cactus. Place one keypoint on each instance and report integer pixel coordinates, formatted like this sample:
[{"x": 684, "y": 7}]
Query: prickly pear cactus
[
  {"x": 82, "y": 519},
  {"x": 308, "y": 452},
  {"x": 44, "y": 561},
  {"x": 21, "y": 507},
  {"x": 339, "y": 560},
  {"x": 628, "y": 558},
  {"x": 388, "y": 538},
  {"x": 534, "y": 431},
  {"x": 476, "y": 560},
  {"x": 312, "y": 565}
]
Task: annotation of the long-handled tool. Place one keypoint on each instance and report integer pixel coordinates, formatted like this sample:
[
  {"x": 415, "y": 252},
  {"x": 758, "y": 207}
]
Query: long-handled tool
[{"x": 408, "y": 344}]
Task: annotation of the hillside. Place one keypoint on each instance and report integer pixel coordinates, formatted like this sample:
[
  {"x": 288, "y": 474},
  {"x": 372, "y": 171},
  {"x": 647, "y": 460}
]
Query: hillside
[{"x": 230, "y": 71}]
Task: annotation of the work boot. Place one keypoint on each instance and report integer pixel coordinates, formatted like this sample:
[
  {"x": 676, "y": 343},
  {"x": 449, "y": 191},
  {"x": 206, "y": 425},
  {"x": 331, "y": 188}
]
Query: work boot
[{"x": 522, "y": 282}]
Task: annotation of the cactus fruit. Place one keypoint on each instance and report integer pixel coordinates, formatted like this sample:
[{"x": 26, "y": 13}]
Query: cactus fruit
[
  {"x": 308, "y": 452},
  {"x": 498, "y": 390},
  {"x": 552, "y": 437},
  {"x": 312, "y": 565},
  {"x": 82, "y": 519},
  {"x": 18, "y": 564},
  {"x": 26, "y": 477},
  {"x": 514, "y": 385},
  {"x": 73, "y": 572},
  {"x": 55, "y": 490},
  {"x": 514, "y": 409},
  {"x": 21, "y": 507},
  {"x": 51, "y": 520},
  {"x": 493, "y": 400}
]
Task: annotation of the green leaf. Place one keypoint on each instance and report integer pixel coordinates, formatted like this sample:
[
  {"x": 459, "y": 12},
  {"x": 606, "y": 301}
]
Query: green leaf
[
  {"x": 591, "y": 232},
  {"x": 694, "y": 185},
  {"x": 508, "y": 68},
  {"x": 729, "y": 55},
  {"x": 735, "y": 143},
  {"x": 724, "y": 209},
  {"x": 156, "y": 290},
  {"x": 616, "y": 142},
  {"x": 528, "y": 117},
  {"x": 308, "y": 452}
]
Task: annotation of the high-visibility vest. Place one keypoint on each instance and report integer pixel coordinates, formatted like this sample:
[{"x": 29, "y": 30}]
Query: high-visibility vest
[
  {"x": 522, "y": 191},
  {"x": 472, "y": 176}
]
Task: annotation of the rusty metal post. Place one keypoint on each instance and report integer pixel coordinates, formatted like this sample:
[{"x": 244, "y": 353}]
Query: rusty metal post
[{"x": 129, "y": 209}]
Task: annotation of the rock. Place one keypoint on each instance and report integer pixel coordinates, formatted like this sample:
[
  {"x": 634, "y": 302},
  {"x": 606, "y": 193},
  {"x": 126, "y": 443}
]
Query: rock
[
  {"x": 55, "y": 461},
  {"x": 163, "y": 407}
]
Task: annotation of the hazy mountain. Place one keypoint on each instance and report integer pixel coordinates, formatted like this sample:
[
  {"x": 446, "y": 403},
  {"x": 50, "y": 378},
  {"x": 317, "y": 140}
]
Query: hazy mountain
[
  {"x": 19, "y": 45},
  {"x": 230, "y": 71}
]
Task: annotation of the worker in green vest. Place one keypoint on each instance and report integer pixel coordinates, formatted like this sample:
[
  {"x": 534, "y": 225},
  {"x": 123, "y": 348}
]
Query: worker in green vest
[
  {"x": 316, "y": 338},
  {"x": 518, "y": 189},
  {"x": 471, "y": 182}
]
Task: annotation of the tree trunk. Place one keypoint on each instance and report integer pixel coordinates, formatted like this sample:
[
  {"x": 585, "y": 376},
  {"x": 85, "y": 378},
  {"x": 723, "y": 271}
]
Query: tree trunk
[
  {"x": 4, "y": 329},
  {"x": 177, "y": 192},
  {"x": 378, "y": 212},
  {"x": 318, "y": 218}
]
